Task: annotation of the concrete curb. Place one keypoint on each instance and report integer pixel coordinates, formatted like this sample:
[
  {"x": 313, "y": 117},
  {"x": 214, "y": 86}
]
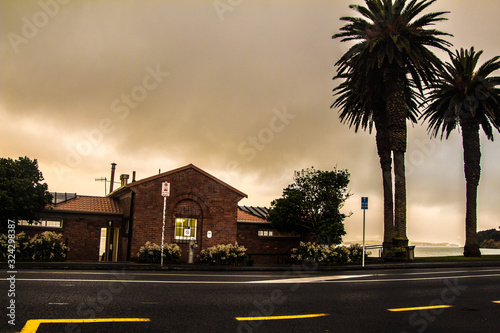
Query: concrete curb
[{"x": 130, "y": 266}]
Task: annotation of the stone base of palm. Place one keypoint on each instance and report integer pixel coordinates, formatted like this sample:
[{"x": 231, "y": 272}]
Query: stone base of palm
[
  {"x": 472, "y": 250},
  {"x": 396, "y": 249},
  {"x": 387, "y": 252},
  {"x": 400, "y": 242}
]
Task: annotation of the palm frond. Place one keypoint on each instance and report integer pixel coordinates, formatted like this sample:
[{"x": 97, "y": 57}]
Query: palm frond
[{"x": 461, "y": 94}]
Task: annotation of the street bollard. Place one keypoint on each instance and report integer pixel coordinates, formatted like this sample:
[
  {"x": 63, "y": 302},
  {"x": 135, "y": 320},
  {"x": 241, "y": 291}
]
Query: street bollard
[{"x": 192, "y": 246}]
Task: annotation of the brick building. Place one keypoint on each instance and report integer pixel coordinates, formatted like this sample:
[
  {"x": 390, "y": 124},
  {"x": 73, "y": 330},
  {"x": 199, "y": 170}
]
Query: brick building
[
  {"x": 264, "y": 244},
  {"x": 198, "y": 207}
]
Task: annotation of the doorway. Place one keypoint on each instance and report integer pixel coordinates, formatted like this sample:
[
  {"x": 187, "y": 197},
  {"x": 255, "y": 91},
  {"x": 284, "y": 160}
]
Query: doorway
[{"x": 108, "y": 247}]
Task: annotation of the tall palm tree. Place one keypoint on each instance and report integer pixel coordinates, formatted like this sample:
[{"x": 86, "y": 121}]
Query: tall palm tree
[
  {"x": 354, "y": 113},
  {"x": 470, "y": 99},
  {"x": 392, "y": 42}
]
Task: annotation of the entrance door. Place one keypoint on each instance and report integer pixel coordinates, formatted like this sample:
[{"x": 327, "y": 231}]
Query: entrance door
[{"x": 108, "y": 249}]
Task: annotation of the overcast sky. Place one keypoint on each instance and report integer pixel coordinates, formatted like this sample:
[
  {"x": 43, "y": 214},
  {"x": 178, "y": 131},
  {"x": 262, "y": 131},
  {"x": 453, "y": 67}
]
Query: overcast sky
[{"x": 241, "y": 89}]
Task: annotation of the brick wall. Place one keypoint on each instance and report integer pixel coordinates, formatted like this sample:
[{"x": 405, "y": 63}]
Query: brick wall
[
  {"x": 81, "y": 233},
  {"x": 265, "y": 250},
  {"x": 125, "y": 202},
  {"x": 191, "y": 193}
]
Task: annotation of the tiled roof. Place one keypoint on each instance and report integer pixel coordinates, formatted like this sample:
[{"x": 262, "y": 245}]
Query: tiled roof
[
  {"x": 84, "y": 203},
  {"x": 252, "y": 214}
]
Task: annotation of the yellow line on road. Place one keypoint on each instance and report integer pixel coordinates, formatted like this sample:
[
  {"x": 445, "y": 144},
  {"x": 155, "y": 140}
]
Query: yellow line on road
[
  {"x": 282, "y": 317},
  {"x": 31, "y": 325},
  {"x": 420, "y": 308}
]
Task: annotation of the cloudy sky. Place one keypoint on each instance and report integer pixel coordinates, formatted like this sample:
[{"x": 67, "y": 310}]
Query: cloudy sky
[{"x": 242, "y": 89}]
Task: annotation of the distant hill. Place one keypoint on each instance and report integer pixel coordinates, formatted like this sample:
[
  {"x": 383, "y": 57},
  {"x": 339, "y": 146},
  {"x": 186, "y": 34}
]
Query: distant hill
[
  {"x": 489, "y": 239},
  {"x": 367, "y": 242},
  {"x": 372, "y": 242},
  {"x": 431, "y": 244}
]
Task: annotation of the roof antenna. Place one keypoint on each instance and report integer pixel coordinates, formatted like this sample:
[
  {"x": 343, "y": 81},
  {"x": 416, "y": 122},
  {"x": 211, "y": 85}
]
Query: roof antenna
[{"x": 105, "y": 180}]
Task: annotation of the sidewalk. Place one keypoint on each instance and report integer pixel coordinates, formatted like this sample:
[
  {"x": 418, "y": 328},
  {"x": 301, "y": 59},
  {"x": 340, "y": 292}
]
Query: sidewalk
[{"x": 131, "y": 266}]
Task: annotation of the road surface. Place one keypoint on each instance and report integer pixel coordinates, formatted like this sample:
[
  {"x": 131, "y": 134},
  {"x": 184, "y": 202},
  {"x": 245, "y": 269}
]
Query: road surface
[{"x": 423, "y": 300}]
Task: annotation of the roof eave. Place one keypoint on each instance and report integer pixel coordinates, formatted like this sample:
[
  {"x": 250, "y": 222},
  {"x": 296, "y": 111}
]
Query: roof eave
[
  {"x": 129, "y": 186},
  {"x": 70, "y": 211},
  {"x": 255, "y": 222}
]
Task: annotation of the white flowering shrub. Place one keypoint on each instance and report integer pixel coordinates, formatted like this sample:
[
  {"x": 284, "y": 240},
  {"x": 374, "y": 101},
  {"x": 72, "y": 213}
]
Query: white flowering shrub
[
  {"x": 46, "y": 246},
  {"x": 327, "y": 254},
  {"x": 150, "y": 253},
  {"x": 356, "y": 253},
  {"x": 4, "y": 247},
  {"x": 229, "y": 254}
]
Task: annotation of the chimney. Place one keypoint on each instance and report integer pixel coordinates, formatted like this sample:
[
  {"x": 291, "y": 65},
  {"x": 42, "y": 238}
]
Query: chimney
[
  {"x": 124, "y": 179},
  {"x": 113, "y": 167},
  {"x": 133, "y": 176}
]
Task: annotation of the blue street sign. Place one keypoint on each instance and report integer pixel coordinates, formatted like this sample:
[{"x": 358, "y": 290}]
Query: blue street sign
[{"x": 364, "y": 202}]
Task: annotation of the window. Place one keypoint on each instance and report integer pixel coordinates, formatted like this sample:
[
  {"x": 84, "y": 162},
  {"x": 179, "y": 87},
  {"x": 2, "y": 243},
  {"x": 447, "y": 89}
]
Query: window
[
  {"x": 42, "y": 223},
  {"x": 266, "y": 233},
  {"x": 276, "y": 233},
  {"x": 185, "y": 229}
]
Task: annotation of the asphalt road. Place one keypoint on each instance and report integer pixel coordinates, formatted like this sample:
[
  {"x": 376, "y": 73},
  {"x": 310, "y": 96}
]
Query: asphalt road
[{"x": 461, "y": 300}]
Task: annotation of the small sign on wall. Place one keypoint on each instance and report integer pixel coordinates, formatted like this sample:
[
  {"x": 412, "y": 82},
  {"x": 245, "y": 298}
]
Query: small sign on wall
[
  {"x": 187, "y": 231},
  {"x": 165, "y": 189},
  {"x": 209, "y": 234}
]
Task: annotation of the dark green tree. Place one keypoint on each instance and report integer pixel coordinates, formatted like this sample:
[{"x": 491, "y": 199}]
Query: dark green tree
[
  {"x": 470, "y": 99},
  {"x": 22, "y": 195},
  {"x": 393, "y": 41},
  {"x": 312, "y": 205}
]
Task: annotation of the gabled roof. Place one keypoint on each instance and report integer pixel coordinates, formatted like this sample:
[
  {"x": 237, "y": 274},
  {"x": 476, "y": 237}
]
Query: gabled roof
[
  {"x": 85, "y": 203},
  {"x": 252, "y": 214},
  {"x": 161, "y": 175}
]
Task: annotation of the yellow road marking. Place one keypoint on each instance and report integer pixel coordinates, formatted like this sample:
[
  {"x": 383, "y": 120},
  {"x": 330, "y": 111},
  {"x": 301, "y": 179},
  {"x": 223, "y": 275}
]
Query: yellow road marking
[
  {"x": 420, "y": 308},
  {"x": 31, "y": 325},
  {"x": 282, "y": 317}
]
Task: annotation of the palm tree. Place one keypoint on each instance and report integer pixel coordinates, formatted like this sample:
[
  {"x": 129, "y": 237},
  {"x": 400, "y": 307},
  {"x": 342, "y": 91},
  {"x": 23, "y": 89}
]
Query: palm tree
[
  {"x": 354, "y": 113},
  {"x": 469, "y": 99},
  {"x": 392, "y": 43}
]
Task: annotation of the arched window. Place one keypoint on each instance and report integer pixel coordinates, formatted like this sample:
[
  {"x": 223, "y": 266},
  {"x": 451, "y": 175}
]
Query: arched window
[{"x": 187, "y": 219}]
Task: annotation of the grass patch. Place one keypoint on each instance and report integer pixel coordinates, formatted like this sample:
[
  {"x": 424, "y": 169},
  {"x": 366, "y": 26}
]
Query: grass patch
[{"x": 458, "y": 258}]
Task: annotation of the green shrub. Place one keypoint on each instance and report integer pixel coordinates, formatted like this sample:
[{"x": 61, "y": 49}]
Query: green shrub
[
  {"x": 150, "y": 253},
  {"x": 229, "y": 254}
]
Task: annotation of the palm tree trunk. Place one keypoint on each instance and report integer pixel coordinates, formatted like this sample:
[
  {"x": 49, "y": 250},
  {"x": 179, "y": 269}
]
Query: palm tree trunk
[
  {"x": 472, "y": 168},
  {"x": 395, "y": 81},
  {"x": 400, "y": 198},
  {"x": 384, "y": 153}
]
